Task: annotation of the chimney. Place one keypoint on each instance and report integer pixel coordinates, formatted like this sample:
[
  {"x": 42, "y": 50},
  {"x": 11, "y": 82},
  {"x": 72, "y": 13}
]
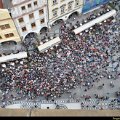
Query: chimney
[{"x": 1, "y": 4}]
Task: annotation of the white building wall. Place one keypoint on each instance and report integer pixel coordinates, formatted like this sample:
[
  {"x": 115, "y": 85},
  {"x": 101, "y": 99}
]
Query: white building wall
[
  {"x": 18, "y": 13},
  {"x": 17, "y": 1}
]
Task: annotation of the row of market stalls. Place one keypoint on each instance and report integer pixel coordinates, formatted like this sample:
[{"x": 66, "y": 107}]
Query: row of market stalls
[{"x": 10, "y": 57}]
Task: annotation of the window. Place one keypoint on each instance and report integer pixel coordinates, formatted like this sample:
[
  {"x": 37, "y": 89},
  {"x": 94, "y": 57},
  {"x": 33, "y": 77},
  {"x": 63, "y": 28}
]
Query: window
[
  {"x": 41, "y": 11},
  {"x": 70, "y": 5},
  {"x": 33, "y": 25},
  {"x": 54, "y": 12},
  {"x": 20, "y": 20},
  {"x": 9, "y": 35},
  {"x": 7, "y": 26},
  {"x": 35, "y": 3},
  {"x": 0, "y": 37},
  {"x": 76, "y": 2},
  {"x": 3, "y": 27},
  {"x": 31, "y": 16},
  {"x": 42, "y": 21},
  {"x": 54, "y": 2},
  {"x": 62, "y": 9},
  {"x": 29, "y": 6},
  {"x": 24, "y": 29},
  {"x": 23, "y": 7}
]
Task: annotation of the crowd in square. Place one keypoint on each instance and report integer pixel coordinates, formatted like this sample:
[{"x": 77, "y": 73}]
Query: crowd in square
[{"x": 79, "y": 60}]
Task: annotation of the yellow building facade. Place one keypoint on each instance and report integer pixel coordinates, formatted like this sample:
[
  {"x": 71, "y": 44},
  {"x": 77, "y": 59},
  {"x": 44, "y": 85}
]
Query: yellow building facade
[
  {"x": 62, "y": 9},
  {"x": 8, "y": 31}
]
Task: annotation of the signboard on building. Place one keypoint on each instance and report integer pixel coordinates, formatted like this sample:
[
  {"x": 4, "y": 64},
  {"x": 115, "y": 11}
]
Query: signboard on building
[{"x": 91, "y": 4}]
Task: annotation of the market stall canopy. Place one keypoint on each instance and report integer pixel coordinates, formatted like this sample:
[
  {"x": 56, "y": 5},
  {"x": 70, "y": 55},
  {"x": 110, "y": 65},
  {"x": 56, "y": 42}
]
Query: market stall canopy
[
  {"x": 95, "y": 21},
  {"x": 11, "y": 57},
  {"x": 49, "y": 44}
]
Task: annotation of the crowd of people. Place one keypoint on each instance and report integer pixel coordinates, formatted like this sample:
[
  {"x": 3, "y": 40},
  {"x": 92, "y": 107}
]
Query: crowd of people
[{"x": 79, "y": 60}]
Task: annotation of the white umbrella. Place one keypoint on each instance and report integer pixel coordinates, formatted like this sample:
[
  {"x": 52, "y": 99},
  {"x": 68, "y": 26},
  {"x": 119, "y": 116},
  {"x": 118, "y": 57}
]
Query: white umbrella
[
  {"x": 75, "y": 26},
  {"x": 51, "y": 48},
  {"x": 80, "y": 33},
  {"x": 98, "y": 14},
  {"x": 46, "y": 40},
  {"x": 80, "y": 24},
  {"x": 51, "y": 37},
  {"x": 56, "y": 45},
  {"x": 4, "y": 65},
  {"x": 41, "y": 43},
  {"x": 21, "y": 62},
  {"x": 12, "y": 64},
  {"x": 46, "y": 51},
  {"x": 104, "y": 20}
]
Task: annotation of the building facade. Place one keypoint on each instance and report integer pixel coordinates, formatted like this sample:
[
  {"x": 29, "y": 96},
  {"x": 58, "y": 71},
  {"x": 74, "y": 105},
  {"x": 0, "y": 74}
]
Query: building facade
[
  {"x": 62, "y": 9},
  {"x": 30, "y": 16},
  {"x": 8, "y": 31}
]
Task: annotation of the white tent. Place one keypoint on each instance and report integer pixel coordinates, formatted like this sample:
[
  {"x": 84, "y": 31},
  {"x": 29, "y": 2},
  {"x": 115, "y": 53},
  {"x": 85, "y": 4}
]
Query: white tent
[
  {"x": 10, "y": 57},
  {"x": 49, "y": 44},
  {"x": 93, "y": 22}
]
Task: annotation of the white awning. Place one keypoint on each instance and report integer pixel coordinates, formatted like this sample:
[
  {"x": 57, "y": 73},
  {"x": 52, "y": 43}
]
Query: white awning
[
  {"x": 10, "y": 57},
  {"x": 49, "y": 44},
  {"x": 93, "y": 22}
]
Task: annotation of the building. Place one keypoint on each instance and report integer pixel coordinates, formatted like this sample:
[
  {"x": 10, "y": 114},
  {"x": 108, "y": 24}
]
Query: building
[
  {"x": 62, "y": 9},
  {"x": 30, "y": 16},
  {"x": 8, "y": 31},
  {"x": 91, "y": 4}
]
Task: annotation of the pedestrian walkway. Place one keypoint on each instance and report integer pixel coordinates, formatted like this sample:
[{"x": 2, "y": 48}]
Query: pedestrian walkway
[
  {"x": 72, "y": 104},
  {"x": 30, "y": 105}
]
